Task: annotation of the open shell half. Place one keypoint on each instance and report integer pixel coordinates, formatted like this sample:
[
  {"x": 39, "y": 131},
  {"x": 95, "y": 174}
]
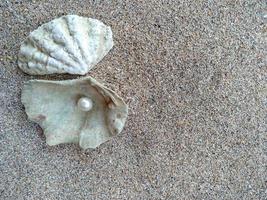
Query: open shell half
[{"x": 79, "y": 111}]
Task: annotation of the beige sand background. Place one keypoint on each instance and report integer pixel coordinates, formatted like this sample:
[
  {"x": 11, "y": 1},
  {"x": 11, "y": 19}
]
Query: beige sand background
[{"x": 194, "y": 76}]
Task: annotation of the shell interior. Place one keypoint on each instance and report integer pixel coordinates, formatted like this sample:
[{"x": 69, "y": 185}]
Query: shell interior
[{"x": 53, "y": 105}]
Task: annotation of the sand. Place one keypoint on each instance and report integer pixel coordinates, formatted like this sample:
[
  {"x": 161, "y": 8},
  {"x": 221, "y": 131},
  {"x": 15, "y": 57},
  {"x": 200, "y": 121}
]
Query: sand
[{"x": 194, "y": 76}]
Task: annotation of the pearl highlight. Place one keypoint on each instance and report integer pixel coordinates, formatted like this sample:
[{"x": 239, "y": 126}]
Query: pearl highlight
[{"x": 85, "y": 104}]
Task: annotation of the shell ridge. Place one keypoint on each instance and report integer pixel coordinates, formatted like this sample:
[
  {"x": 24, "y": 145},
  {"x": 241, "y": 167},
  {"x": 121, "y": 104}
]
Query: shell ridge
[
  {"x": 52, "y": 60},
  {"x": 73, "y": 33},
  {"x": 85, "y": 52},
  {"x": 34, "y": 57},
  {"x": 26, "y": 54},
  {"x": 94, "y": 50},
  {"x": 101, "y": 46},
  {"x": 73, "y": 60},
  {"x": 72, "y": 27},
  {"x": 79, "y": 58},
  {"x": 88, "y": 53}
]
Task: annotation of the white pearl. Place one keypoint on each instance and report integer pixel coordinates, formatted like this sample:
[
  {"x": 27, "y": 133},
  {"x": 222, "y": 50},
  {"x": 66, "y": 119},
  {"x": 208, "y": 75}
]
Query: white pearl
[{"x": 85, "y": 104}]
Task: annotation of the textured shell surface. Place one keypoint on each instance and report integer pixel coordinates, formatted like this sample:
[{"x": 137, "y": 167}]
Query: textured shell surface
[
  {"x": 69, "y": 44},
  {"x": 54, "y": 105}
]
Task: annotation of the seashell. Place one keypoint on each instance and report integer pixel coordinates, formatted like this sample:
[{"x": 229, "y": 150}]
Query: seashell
[
  {"x": 69, "y": 44},
  {"x": 79, "y": 111}
]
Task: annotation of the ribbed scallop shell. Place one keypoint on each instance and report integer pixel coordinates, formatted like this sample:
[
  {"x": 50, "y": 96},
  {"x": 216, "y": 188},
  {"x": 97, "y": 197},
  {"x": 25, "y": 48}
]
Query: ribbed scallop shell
[{"x": 69, "y": 44}]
